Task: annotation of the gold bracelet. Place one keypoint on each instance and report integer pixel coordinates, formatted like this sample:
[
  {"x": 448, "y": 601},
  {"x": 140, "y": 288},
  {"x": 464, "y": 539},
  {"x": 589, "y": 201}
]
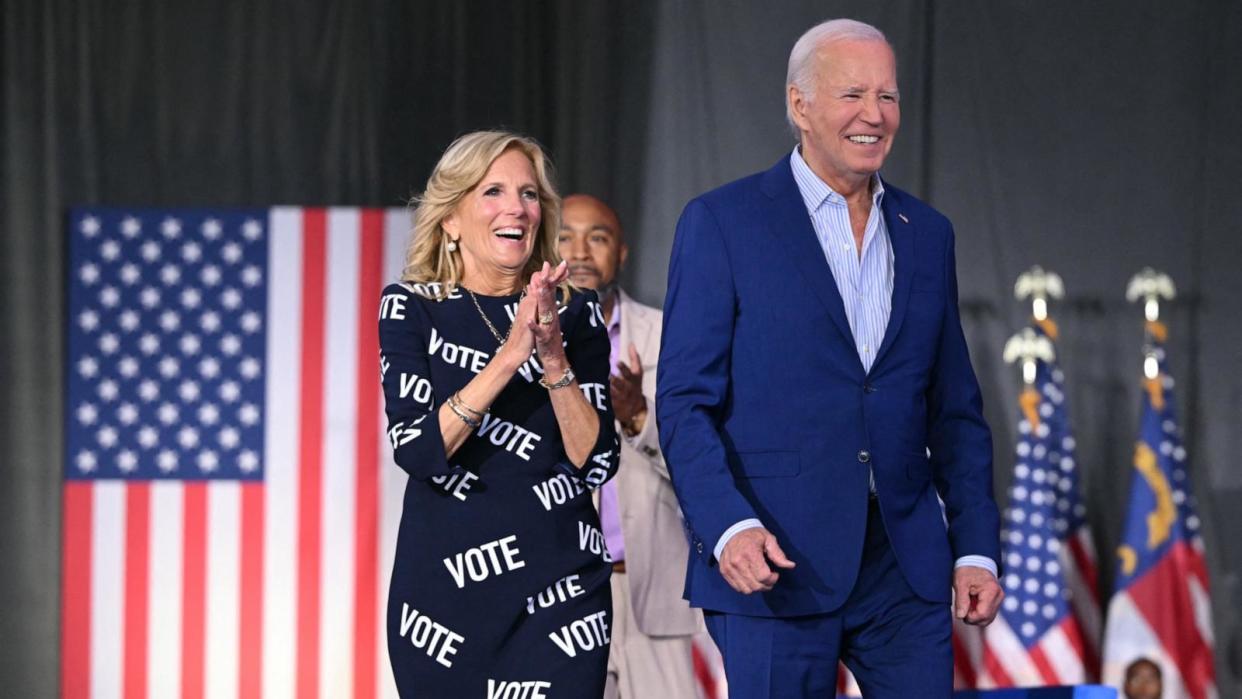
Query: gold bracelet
[
  {"x": 564, "y": 381},
  {"x": 471, "y": 422},
  {"x": 456, "y": 400}
]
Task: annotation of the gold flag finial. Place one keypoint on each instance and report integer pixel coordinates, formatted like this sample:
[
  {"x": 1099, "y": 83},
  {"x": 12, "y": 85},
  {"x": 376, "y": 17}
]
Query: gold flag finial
[
  {"x": 1150, "y": 286},
  {"x": 1029, "y": 347},
  {"x": 1039, "y": 285}
]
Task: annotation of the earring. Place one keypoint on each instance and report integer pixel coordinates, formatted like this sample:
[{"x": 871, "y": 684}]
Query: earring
[{"x": 452, "y": 245}]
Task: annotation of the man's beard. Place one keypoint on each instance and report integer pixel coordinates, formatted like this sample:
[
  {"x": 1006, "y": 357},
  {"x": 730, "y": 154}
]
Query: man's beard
[{"x": 607, "y": 291}]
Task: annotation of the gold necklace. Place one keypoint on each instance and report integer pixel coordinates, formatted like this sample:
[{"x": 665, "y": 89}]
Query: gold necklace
[{"x": 495, "y": 333}]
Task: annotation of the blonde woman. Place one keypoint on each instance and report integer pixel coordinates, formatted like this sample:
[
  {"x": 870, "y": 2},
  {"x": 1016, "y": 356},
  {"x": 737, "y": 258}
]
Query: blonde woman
[{"x": 495, "y": 373}]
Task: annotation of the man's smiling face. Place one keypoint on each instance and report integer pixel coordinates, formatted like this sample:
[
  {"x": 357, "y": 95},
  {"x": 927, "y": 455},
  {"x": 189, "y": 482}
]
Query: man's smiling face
[{"x": 849, "y": 122}]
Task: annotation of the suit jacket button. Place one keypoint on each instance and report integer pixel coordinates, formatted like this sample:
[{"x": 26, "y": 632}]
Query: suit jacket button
[
  {"x": 864, "y": 456},
  {"x": 698, "y": 546},
  {"x": 868, "y": 388}
]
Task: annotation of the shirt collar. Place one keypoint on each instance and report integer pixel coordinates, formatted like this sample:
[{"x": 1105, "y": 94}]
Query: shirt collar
[
  {"x": 815, "y": 192},
  {"x": 615, "y": 321}
]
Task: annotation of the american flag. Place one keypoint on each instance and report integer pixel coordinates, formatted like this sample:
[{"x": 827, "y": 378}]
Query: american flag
[
  {"x": 847, "y": 684},
  {"x": 230, "y": 506},
  {"x": 1048, "y": 627},
  {"x": 1161, "y": 607},
  {"x": 709, "y": 672},
  {"x": 230, "y": 501}
]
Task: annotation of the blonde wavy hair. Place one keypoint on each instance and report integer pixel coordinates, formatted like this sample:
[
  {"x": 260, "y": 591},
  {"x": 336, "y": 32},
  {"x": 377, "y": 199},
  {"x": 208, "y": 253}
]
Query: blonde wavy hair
[{"x": 461, "y": 168}]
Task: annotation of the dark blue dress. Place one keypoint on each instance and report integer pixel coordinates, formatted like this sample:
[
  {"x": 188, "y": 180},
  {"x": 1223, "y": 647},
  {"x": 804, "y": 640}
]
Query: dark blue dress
[{"x": 501, "y": 573}]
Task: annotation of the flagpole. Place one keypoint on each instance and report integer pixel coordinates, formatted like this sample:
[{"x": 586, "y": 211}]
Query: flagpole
[
  {"x": 1049, "y": 564},
  {"x": 1160, "y": 610}
]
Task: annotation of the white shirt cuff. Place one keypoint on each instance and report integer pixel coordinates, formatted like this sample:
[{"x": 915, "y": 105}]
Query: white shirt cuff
[
  {"x": 977, "y": 561},
  {"x": 731, "y": 531},
  {"x": 973, "y": 560}
]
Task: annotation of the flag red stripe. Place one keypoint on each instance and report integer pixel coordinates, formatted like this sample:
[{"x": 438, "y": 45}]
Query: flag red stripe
[
  {"x": 1088, "y": 572},
  {"x": 194, "y": 591},
  {"x": 1161, "y": 595},
  {"x": 1090, "y": 655},
  {"x": 366, "y": 512},
  {"x": 1040, "y": 661},
  {"x": 75, "y": 567},
  {"x": 1195, "y": 562},
  {"x": 992, "y": 664},
  {"x": 1086, "y": 566},
  {"x": 137, "y": 565},
  {"x": 962, "y": 661},
  {"x": 1073, "y": 633},
  {"x": 250, "y": 643},
  {"x": 310, "y": 462},
  {"x": 703, "y": 672}
]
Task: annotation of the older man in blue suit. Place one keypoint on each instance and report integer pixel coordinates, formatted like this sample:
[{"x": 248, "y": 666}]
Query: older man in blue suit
[{"x": 816, "y": 404}]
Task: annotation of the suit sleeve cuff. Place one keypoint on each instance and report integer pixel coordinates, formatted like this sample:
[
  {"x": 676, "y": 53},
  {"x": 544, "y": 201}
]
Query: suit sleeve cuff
[
  {"x": 728, "y": 534},
  {"x": 977, "y": 561}
]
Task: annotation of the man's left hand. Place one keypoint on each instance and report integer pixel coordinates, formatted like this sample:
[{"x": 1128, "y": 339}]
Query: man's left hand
[
  {"x": 976, "y": 595},
  {"x": 627, "y": 392}
]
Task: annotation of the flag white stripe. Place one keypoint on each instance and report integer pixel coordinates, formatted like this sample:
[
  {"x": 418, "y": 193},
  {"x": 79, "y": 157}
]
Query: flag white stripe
[
  {"x": 107, "y": 587},
  {"x": 711, "y": 655},
  {"x": 283, "y": 369},
  {"x": 983, "y": 678},
  {"x": 851, "y": 685},
  {"x": 337, "y": 505},
  {"x": 223, "y": 588},
  {"x": 970, "y": 639},
  {"x": 396, "y": 240},
  {"x": 1202, "y": 604},
  {"x": 164, "y": 589},
  {"x": 1062, "y": 656},
  {"x": 398, "y": 232},
  {"x": 1129, "y": 636},
  {"x": 392, "y": 480},
  {"x": 280, "y": 595},
  {"x": 1012, "y": 655},
  {"x": 1083, "y": 536}
]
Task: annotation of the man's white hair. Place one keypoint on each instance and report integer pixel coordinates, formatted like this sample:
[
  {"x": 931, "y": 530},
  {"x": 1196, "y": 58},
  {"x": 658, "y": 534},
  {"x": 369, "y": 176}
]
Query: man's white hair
[{"x": 801, "y": 72}]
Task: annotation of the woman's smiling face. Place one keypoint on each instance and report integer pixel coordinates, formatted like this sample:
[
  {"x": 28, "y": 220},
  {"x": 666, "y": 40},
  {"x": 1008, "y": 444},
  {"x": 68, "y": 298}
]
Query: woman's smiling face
[{"x": 496, "y": 223}]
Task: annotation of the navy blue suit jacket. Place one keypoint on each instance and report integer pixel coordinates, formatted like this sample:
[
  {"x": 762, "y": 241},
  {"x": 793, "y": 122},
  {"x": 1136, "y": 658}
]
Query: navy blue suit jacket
[{"x": 765, "y": 410}]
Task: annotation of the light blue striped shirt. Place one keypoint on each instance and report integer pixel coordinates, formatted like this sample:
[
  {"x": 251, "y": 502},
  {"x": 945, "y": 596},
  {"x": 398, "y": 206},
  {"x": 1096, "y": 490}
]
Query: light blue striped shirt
[{"x": 865, "y": 282}]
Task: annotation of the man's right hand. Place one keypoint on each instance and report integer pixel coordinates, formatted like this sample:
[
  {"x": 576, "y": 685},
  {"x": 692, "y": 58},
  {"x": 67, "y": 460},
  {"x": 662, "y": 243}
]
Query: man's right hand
[{"x": 745, "y": 558}]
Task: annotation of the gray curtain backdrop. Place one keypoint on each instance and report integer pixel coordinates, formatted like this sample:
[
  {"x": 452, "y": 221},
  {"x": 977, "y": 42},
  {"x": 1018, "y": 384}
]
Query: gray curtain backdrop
[{"x": 1091, "y": 138}]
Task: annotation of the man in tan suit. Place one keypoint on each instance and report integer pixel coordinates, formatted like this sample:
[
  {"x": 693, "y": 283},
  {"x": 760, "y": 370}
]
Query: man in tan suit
[{"x": 652, "y": 625}]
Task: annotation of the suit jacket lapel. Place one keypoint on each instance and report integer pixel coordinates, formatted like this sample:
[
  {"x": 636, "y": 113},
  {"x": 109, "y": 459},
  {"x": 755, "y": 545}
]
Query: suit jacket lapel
[
  {"x": 634, "y": 324},
  {"x": 901, "y": 236},
  {"x": 792, "y": 228},
  {"x": 627, "y": 322}
]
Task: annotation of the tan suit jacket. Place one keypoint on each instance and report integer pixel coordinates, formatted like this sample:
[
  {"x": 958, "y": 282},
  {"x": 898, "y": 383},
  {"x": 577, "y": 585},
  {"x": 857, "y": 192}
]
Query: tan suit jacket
[{"x": 655, "y": 540}]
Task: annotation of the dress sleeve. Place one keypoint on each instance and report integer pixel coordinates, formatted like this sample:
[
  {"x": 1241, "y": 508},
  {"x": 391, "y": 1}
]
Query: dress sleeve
[
  {"x": 409, "y": 399},
  {"x": 587, "y": 352}
]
